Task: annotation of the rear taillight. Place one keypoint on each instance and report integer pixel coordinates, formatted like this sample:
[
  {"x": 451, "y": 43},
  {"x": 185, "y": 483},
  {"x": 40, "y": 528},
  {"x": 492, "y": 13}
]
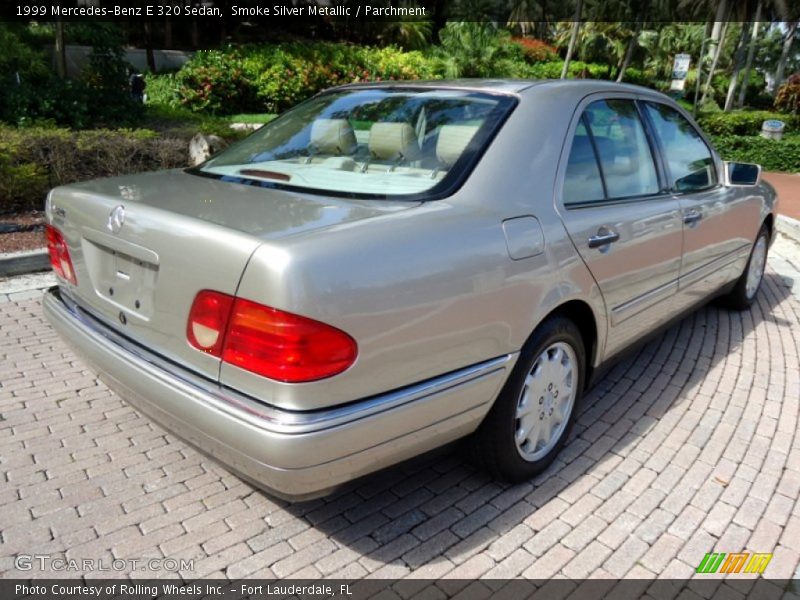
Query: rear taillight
[
  {"x": 268, "y": 341},
  {"x": 208, "y": 319},
  {"x": 59, "y": 254}
]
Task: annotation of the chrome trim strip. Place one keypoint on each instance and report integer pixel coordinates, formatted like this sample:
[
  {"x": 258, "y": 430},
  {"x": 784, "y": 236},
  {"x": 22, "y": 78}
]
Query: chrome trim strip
[
  {"x": 628, "y": 309},
  {"x": 248, "y": 409},
  {"x": 698, "y": 273}
]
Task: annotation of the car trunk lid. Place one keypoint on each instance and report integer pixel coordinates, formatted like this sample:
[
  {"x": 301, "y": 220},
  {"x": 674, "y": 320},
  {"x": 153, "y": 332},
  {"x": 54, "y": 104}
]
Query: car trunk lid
[{"x": 143, "y": 247}]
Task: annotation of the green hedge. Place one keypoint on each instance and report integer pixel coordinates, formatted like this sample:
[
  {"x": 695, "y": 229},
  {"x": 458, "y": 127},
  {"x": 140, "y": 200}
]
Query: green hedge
[
  {"x": 271, "y": 78},
  {"x": 772, "y": 155},
  {"x": 33, "y": 160},
  {"x": 744, "y": 122}
]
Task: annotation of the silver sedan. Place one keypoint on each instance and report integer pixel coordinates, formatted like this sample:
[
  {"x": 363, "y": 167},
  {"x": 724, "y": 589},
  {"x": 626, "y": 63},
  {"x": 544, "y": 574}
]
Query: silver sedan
[{"x": 390, "y": 267}]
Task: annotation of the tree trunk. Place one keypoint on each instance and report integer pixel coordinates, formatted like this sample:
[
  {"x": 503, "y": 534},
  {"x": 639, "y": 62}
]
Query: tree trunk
[
  {"x": 576, "y": 25},
  {"x": 629, "y": 51},
  {"x": 542, "y": 25},
  {"x": 223, "y": 28},
  {"x": 719, "y": 24},
  {"x": 751, "y": 51},
  {"x": 439, "y": 18},
  {"x": 713, "y": 68},
  {"x": 168, "y": 32},
  {"x": 699, "y": 76},
  {"x": 195, "y": 34},
  {"x": 61, "y": 51},
  {"x": 738, "y": 59},
  {"x": 787, "y": 47},
  {"x": 148, "y": 46}
]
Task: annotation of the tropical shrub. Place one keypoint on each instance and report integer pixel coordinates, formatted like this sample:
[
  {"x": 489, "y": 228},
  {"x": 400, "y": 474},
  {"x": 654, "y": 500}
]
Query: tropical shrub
[
  {"x": 271, "y": 78},
  {"x": 478, "y": 49},
  {"x": 163, "y": 89},
  {"x": 214, "y": 81},
  {"x": 788, "y": 97},
  {"x": 534, "y": 50}
]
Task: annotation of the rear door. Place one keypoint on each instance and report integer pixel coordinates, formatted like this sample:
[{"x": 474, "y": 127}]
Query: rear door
[
  {"x": 718, "y": 221},
  {"x": 625, "y": 227}
]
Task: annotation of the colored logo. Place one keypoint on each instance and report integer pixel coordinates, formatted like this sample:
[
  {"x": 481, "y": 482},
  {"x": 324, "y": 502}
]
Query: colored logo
[{"x": 737, "y": 562}]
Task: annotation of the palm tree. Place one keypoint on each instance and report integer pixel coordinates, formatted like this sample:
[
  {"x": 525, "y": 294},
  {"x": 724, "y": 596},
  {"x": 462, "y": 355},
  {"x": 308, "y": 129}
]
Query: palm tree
[
  {"x": 576, "y": 25},
  {"x": 714, "y": 62},
  {"x": 633, "y": 41},
  {"x": 787, "y": 47},
  {"x": 522, "y": 16},
  {"x": 751, "y": 52},
  {"x": 738, "y": 58},
  {"x": 61, "y": 51}
]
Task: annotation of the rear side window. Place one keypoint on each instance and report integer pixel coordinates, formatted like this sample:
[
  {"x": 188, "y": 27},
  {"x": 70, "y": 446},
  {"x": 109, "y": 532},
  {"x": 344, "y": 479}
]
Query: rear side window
[
  {"x": 610, "y": 156},
  {"x": 621, "y": 143},
  {"x": 690, "y": 162},
  {"x": 583, "y": 182}
]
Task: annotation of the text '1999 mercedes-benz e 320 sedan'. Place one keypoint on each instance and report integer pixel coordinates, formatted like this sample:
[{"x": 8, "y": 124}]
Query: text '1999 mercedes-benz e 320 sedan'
[{"x": 389, "y": 267}]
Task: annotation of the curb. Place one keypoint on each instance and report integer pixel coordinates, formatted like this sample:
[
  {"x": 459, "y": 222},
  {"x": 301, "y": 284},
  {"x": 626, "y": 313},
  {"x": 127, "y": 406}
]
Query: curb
[
  {"x": 21, "y": 263},
  {"x": 789, "y": 227}
]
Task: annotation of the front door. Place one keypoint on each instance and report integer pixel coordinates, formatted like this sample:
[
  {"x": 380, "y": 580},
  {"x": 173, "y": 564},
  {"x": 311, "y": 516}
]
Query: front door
[{"x": 717, "y": 220}]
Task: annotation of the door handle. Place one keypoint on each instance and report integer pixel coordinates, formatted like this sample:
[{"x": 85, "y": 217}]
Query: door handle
[
  {"x": 603, "y": 238},
  {"x": 692, "y": 217}
]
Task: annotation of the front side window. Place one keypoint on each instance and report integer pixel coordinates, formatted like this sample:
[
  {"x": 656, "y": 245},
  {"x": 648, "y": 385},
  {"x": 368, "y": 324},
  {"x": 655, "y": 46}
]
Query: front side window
[
  {"x": 369, "y": 143},
  {"x": 690, "y": 162}
]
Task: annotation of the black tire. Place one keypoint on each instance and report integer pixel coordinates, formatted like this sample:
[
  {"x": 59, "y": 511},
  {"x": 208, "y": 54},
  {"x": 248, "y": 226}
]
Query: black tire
[
  {"x": 494, "y": 444},
  {"x": 738, "y": 298}
]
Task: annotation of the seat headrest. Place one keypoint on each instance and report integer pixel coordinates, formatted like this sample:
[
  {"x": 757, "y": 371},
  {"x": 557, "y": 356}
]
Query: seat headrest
[
  {"x": 333, "y": 136},
  {"x": 453, "y": 141},
  {"x": 390, "y": 141}
]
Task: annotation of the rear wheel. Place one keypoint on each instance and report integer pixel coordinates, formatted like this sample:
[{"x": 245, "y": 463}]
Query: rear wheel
[
  {"x": 534, "y": 413},
  {"x": 744, "y": 293}
]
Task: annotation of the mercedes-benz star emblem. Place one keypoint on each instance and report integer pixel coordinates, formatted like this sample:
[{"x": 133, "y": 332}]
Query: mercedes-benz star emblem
[{"x": 116, "y": 219}]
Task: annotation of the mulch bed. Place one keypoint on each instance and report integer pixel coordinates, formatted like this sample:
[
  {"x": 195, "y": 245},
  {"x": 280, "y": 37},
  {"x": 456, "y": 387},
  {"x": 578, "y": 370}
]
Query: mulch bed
[{"x": 22, "y": 231}]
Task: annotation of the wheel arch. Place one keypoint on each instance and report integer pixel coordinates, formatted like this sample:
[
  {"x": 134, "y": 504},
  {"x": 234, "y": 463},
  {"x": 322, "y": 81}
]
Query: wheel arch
[
  {"x": 769, "y": 222},
  {"x": 582, "y": 315}
]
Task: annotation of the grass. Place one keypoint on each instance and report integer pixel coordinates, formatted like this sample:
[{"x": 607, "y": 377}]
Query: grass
[
  {"x": 183, "y": 122},
  {"x": 251, "y": 118}
]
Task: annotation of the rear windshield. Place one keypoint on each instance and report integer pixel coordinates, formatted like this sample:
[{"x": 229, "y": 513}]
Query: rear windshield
[{"x": 369, "y": 143}]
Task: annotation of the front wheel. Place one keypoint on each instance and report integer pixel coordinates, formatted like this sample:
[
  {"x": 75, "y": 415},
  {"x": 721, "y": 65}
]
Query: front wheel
[
  {"x": 534, "y": 413},
  {"x": 744, "y": 293}
]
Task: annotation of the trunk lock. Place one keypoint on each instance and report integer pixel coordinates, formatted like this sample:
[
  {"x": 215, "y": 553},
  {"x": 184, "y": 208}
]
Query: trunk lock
[{"x": 122, "y": 318}]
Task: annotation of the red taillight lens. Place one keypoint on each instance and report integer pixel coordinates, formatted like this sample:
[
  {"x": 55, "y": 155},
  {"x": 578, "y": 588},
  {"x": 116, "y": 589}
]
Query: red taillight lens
[
  {"x": 59, "y": 254},
  {"x": 268, "y": 341},
  {"x": 208, "y": 319},
  {"x": 284, "y": 346}
]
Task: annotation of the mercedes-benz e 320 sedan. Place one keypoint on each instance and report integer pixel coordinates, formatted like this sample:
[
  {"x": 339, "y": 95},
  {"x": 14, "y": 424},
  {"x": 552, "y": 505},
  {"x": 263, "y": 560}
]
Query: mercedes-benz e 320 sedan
[{"x": 389, "y": 267}]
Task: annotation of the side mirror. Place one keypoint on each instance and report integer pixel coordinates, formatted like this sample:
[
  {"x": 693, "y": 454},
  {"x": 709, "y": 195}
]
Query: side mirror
[{"x": 742, "y": 174}]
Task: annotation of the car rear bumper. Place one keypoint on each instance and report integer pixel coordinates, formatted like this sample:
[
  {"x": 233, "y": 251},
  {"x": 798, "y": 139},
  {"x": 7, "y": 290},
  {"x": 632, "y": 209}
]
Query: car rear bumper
[{"x": 295, "y": 455}]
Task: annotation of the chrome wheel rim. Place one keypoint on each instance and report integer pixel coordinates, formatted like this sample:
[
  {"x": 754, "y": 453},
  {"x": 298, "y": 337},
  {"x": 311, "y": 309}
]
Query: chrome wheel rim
[
  {"x": 546, "y": 401},
  {"x": 755, "y": 270}
]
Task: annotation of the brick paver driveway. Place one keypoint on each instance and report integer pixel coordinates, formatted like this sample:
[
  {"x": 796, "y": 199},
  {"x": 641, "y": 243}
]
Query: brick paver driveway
[{"x": 688, "y": 446}]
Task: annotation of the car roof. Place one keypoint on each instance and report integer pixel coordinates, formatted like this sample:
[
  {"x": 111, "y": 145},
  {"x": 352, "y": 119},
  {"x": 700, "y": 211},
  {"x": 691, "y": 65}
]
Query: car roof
[{"x": 580, "y": 87}]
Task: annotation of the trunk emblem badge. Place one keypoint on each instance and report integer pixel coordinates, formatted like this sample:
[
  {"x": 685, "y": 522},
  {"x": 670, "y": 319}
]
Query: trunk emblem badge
[{"x": 116, "y": 219}]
